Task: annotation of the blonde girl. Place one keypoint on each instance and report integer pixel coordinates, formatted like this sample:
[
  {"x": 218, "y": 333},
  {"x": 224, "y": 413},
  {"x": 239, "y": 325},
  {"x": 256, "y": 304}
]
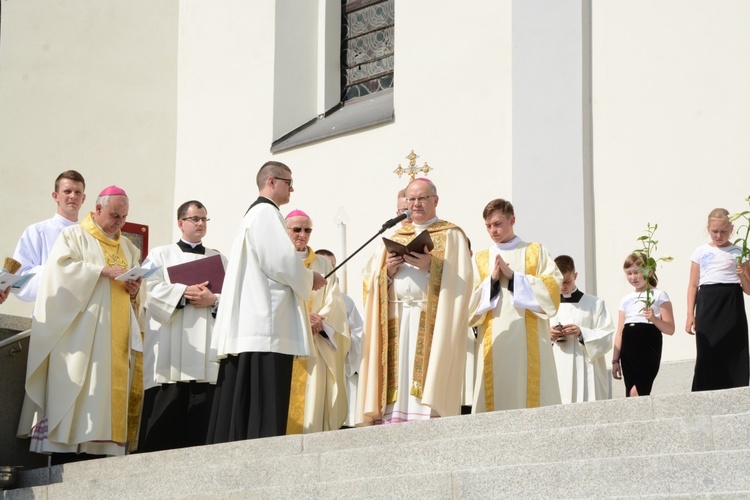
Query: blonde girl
[{"x": 716, "y": 309}]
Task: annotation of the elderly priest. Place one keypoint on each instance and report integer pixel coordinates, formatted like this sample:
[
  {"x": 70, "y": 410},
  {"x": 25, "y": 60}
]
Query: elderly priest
[{"x": 83, "y": 384}]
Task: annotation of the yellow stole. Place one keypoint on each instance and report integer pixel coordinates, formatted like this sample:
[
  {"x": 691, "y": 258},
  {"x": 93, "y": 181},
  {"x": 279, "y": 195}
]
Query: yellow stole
[
  {"x": 533, "y": 374},
  {"x": 389, "y": 342},
  {"x": 119, "y": 330},
  {"x": 296, "y": 415}
]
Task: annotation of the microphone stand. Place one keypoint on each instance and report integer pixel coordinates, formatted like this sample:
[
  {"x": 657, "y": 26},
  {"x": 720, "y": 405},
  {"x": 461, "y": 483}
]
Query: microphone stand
[{"x": 382, "y": 230}]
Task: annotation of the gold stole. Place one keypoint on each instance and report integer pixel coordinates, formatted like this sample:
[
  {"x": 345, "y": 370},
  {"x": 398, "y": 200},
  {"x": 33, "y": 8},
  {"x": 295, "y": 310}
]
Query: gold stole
[
  {"x": 296, "y": 415},
  {"x": 119, "y": 331},
  {"x": 389, "y": 342},
  {"x": 533, "y": 375}
]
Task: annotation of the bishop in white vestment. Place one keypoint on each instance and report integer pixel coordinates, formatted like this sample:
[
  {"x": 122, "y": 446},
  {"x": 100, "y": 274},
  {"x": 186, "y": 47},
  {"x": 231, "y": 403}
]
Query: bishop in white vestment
[
  {"x": 83, "y": 379},
  {"x": 416, "y": 319},
  {"x": 318, "y": 395}
]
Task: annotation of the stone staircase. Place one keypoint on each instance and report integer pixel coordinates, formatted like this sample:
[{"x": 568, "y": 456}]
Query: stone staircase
[{"x": 694, "y": 445}]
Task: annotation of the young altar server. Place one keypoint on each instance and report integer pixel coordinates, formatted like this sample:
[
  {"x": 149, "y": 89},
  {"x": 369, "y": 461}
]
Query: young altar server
[{"x": 582, "y": 333}]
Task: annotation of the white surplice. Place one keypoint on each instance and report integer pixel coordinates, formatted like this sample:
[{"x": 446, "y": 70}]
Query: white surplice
[
  {"x": 177, "y": 340},
  {"x": 33, "y": 249},
  {"x": 353, "y": 357},
  {"x": 581, "y": 368},
  {"x": 266, "y": 287}
]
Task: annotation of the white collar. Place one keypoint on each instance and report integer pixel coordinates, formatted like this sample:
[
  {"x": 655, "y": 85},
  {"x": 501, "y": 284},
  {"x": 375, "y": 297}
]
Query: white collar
[
  {"x": 193, "y": 245},
  {"x": 418, "y": 228},
  {"x": 508, "y": 245}
]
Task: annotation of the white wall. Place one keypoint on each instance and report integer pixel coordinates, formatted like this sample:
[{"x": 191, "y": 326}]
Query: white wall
[
  {"x": 453, "y": 110},
  {"x": 174, "y": 100},
  {"x": 671, "y": 132},
  {"x": 90, "y": 86}
]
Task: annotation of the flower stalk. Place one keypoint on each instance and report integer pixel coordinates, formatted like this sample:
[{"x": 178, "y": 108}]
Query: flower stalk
[
  {"x": 648, "y": 246},
  {"x": 742, "y": 241}
]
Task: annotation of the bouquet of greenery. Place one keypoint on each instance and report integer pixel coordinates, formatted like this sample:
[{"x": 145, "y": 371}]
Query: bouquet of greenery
[
  {"x": 648, "y": 245},
  {"x": 742, "y": 242}
]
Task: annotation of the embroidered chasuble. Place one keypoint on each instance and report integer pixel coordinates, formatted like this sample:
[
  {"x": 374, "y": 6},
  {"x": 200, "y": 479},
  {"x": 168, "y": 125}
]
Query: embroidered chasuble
[
  {"x": 84, "y": 378},
  {"x": 515, "y": 364},
  {"x": 318, "y": 395},
  {"x": 415, "y": 333}
]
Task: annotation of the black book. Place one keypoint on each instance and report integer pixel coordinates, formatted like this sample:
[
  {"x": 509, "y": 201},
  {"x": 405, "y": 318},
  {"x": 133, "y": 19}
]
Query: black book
[{"x": 415, "y": 246}]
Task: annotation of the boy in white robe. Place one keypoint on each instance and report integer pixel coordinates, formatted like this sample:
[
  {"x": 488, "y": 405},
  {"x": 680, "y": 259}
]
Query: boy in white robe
[
  {"x": 36, "y": 242},
  {"x": 178, "y": 377},
  {"x": 582, "y": 333}
]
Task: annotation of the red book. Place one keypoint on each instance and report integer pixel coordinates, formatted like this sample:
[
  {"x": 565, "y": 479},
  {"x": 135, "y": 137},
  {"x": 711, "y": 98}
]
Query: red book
[{"x": 209, "y": 269}]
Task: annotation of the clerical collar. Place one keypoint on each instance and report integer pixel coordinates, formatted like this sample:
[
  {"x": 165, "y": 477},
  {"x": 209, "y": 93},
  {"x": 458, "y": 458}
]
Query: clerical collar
[
  {"x": 262, "y": 199},
  {"x": 303, "y": 253},
  {"x": 573, "y": 298},
  {"x": 418, "y": 228},
  {"x": 188, "y": 247},
  {"x": 509, "y": 245}
]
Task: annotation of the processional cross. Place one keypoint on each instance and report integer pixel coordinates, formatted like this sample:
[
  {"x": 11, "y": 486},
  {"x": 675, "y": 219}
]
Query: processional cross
[{"x": 412, "y": 169}]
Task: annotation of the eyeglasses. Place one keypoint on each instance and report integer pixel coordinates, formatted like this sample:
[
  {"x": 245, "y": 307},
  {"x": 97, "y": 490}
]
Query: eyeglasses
[
  {"x": 420, "y": 199},
  {"x": 307, "y": 230},
  {"x": 196, "y": 220},
  {"x": 288, "y": 181}
]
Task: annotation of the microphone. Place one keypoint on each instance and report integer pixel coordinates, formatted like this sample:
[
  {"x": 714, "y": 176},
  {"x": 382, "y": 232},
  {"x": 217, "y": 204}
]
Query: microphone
[{"x": 396, "y": 220}]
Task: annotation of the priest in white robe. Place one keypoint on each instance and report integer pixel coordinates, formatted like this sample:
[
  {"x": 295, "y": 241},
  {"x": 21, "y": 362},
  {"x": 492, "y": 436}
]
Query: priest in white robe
[
  {"x": 178, "y": 377},
  {"x": 582, "y": 333},
  {"x": 416, "y": 318},
  {"x": 318, "y": 395},
  {"x": 263, "y": 321},
  {"x": 83, "y": 381},
  {"x": 35, "y": 244},
  {"x": 517, "y": 291}
]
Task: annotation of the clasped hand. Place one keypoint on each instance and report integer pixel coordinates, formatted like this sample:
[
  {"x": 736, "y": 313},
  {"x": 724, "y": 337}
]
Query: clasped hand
[
  {"x": 501, "y": 268},
  {"x": 316, "y": 322},
  {"x": 200, "y": 295},
  {"x": 567, "y": 330}
]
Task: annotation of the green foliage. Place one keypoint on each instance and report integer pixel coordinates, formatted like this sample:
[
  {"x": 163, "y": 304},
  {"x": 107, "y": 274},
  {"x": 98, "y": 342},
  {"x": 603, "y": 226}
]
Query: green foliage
[
  {"x": 742, "y": 241},
  {"x": 648, "y": 245}
]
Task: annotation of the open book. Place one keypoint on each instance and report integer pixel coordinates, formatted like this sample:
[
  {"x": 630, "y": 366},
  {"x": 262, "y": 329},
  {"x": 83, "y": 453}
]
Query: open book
[
  {"x": 15, "y": 280},
  {"x": 137, "y": 272},
  {"x": 415, "y": 246}
]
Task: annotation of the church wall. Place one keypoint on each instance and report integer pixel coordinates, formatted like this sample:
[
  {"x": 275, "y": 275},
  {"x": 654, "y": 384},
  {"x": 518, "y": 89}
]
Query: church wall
[
  {"x": 452, "y": 106},
  {"x": 174, "y": 100},
  {"x": 90, "y": 86},
  {"x": 671, "y": 125}
]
